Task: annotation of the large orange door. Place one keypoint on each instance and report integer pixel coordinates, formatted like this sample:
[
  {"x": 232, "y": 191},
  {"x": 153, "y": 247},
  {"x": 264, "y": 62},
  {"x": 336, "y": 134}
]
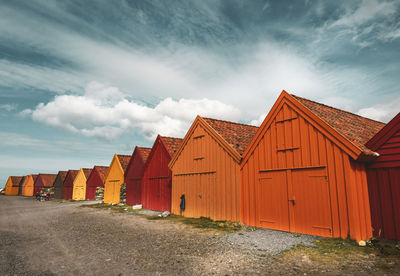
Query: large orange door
[
  {"x": 310, "y": 202},
  {"x": 273, "y": 200}
]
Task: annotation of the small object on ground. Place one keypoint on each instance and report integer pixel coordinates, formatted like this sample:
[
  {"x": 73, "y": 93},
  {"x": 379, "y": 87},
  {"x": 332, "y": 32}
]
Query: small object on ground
[
  {"x": 362, "y": 243},
  {"x": 137, "y": 207},
  {"x": 164, "y": 214}
]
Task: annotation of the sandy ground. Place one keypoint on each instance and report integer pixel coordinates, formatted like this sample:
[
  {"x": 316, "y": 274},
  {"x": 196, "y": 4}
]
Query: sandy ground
[{"x": 46, "y": 238}]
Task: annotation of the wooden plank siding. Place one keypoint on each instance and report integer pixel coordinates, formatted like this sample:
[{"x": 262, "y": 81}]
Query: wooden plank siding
[{"x": 289, "y": 143}]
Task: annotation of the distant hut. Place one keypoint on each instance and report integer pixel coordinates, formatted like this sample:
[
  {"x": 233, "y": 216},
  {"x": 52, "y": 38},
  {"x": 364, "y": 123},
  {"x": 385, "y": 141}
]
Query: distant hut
[
  {"x": 58, "y": 184},
  {"x": 115, "y": 178},
  {"x": 12, "y": 185},
  {"x": 95, "y": 180}
]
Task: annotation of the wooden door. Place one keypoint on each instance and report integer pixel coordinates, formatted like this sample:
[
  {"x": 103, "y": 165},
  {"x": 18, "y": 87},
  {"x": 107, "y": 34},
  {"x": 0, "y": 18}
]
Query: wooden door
[
  {"x": 273, "y": 200},
  {"x": 310, "y": 202}
]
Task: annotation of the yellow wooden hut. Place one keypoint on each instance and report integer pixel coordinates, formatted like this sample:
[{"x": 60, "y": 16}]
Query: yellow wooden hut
[
  {"x": 115, "y": 178},
  {"x": 79, "y": 185}
]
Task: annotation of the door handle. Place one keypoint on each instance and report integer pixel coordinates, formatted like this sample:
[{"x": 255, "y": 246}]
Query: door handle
[{"x": 293, "y": 201}]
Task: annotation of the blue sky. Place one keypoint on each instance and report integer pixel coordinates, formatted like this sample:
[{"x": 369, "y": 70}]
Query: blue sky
[{"x": 81, "y": 80}]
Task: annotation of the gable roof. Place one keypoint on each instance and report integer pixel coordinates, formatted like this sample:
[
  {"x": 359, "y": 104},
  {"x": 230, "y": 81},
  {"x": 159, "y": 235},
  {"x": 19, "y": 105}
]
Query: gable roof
[
  {"x": 62, "y": 174},
  {"x": 73, "y": 174},
  {"x": 87, "y": 172},
  {"x": 237, "y": 135},
  {"x": 34, "y": 176},
  {"x": 385, "y": 133},
  {"x": 144, "y": 152},
  {"x": 124, "y": 160},
  {"x": 15, "y": 180},
  {"x": 171, "y": 143},
  {"x": 355, "y": 128},
  {"x": 102, "y": 171},
  {"x": 47, "y": 179},
  {"x": 336, "y": 124},
  {"x": 233, "y": 137}
]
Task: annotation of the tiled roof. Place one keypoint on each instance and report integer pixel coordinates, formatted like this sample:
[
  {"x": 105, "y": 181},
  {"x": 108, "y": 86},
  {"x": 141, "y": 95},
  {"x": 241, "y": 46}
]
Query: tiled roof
[
  {"x": 34, "y": 176},
  {"x": 73, "y": 173},
  {"x": 15, "y": 180},
  {"x": 237, "y": 135},
  {"x": 87, "y": 172},
  {"x": 63, "y": 174},
  {"x": 171, "y": 143},
  {"x": 102, "y": 171},
  {"x": 355, "y": 128},
  {"x": 22, "y": 180},
  {"x": 124, "y": 160},
  {"x": 48, "y": 179},
  {"x": 144, "y": 152}
]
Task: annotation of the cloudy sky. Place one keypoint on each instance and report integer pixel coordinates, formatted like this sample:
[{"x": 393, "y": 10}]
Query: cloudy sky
[{"x": 81, "y": 80}]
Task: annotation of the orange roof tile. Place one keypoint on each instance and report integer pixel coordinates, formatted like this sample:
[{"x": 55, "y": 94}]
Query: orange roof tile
[
  {"x": 48, "y": 179},
  {"x": 237, "y": 135},
  {"x": 73, "y": 173},
  {"x": 102, "y": 171},
  {"x": 145, "y": 152},
  {"x": 124, "y": 160},
  {"x": 15, "y": 180},
  {"x": 87, "y": 172},
  {"x": 34, "y": 176},
  {"x": 355, "y": 128},
  {"x": 171, "y": 143}
]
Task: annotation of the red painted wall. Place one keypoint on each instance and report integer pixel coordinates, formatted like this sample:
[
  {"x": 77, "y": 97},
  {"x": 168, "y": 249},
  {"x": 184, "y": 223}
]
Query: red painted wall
[
  {"x": 157, "y": 179},
  {"x": 92, "y": 183},
  {"x": 38, "y": 185},
  {"x": 68, "y": 184},
  {"x": 384, "y": 181},
  {"x": 133, "y": 179}
]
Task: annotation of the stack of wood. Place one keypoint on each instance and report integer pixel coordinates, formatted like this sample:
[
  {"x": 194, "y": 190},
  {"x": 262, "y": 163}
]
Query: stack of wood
[
  {"x": 99, "y": 193},
  {"x": 123, "y": 193}
]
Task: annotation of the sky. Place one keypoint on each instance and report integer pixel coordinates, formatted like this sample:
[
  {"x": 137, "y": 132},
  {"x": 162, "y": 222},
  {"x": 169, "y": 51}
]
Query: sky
[{"x": 82, "y": 80}]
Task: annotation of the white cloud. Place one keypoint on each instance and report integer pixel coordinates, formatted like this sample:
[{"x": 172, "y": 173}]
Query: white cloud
[
  {"x": 382, "y": 112},
  {"x": 366, "y": 11},
  {"x": 105, "y": 112},
  {"x": 8, "y": 107}
]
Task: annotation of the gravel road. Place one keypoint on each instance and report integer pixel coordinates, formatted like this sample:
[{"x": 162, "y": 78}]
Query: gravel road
[{"x": 48, "y": 238}]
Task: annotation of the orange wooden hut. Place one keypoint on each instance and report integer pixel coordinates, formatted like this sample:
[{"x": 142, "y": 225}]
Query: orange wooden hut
[
  {"x": 95, "y": 179},
  {"x": 157, "y": 177},
  {"x": 134, "y": 174},
  {"x": 27, "y": 185},
  {"x": 59, "y": 184},
  {"x": 384, "y": 181},
  {"x": 205, "y": 169},
  {"x": 43, "y": 180},
  {"x": 20, "y": 185},
  {"x": 303, "y": 171},
  {"x": 12, "y": 185},
  {"x": 115, "y": 178}
]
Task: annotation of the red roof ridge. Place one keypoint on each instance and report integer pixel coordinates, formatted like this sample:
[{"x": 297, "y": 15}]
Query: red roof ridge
[{"x": 351, "y": 113}]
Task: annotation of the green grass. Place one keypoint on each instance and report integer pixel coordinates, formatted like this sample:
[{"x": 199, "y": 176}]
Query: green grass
[
  {"x": 330, "y": 249},
  {"x": 203, "y": 223}
]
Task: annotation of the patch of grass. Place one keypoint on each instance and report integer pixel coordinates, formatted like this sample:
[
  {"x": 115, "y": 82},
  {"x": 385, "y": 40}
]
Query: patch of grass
[
  {"x": 113, "y": 208},
  {"x": 203, "y": 223},
  {"x": 328, "y": 250}
]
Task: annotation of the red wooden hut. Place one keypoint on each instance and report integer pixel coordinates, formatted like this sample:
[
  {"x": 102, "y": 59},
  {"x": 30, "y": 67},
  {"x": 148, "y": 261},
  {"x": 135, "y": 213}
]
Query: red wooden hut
[
  {"x": 69, "y": 184},
  {"x": 384, "y": 181},
  {"x": 43, "y": 180},
  {"x": 134, "y": 174},
  {"x": 304, "y": 171},
  {"x": 95, "y": 179},
  {"x": 157, "y": 177},
  {"x": 59, "y": 184}
]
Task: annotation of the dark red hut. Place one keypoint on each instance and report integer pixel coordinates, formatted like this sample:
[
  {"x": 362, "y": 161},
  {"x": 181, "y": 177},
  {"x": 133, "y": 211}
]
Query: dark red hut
[
  {"x": 43, "y": 180},
  {"x": 134, "y": 175},
  {"x": 69, "y": 184},
  {"x": 157, "y": 177},
  {"x": 384, "y": 181},
  {"x": 59, "y": 184},
  {"x": 96, "y": 179}
]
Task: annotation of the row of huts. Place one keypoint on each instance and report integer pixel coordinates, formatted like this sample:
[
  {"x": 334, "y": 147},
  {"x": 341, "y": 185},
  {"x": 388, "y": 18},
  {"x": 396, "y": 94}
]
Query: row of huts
[{"x": 309, "y": 168}]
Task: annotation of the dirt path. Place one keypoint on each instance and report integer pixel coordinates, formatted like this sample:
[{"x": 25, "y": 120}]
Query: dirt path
[{"x": 45, "y": 238}]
